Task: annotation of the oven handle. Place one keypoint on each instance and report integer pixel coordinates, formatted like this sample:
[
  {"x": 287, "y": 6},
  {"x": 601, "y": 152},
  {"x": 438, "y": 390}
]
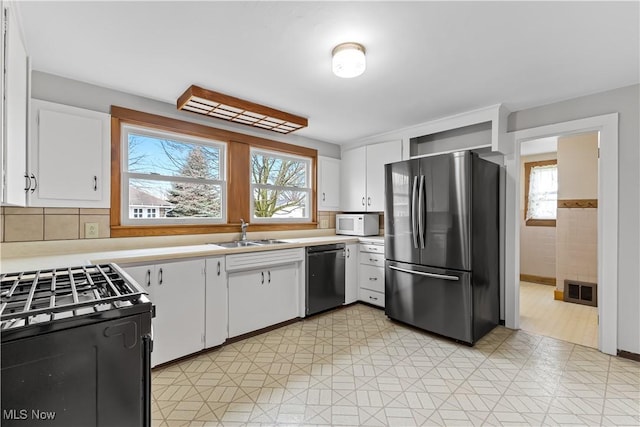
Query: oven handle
[
  {"x": 420, "y": 273},
  {"x": 147, "y": 346}
]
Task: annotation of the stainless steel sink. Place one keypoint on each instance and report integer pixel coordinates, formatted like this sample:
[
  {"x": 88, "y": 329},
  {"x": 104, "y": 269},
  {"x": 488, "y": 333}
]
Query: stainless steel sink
[
  {"x": 247, "y": 243},
  {"x": 268, "y": 241},
  {"x": 236, "y": 244}
]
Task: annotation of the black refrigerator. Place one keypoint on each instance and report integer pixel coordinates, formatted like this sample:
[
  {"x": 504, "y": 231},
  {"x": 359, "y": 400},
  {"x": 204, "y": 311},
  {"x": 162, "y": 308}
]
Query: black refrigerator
[{"x": 442, "y": 244}]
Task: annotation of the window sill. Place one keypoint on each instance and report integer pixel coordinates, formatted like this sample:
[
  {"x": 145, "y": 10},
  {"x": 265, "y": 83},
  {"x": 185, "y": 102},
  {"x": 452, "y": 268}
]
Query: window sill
[
  {"x": 540, "y": 223},
  {"x": 180, "y": 230}
]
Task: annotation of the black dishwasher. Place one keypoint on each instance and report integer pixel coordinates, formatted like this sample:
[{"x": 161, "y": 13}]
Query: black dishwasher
[{"x": 324, "y": 277}]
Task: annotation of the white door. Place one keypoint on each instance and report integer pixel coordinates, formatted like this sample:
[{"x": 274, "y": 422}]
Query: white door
[
  {"x": 353, "y": 177},
  {"x": 248, "y": 301},
  {"x": 178, "y": 328},
  {"x": 328, "y": 184},
  {"x": 377, "y": 156},
  {"x": 351, "y": 273},
  {"x": 216, "y": 303},
  {"x": 283, "y": 285}
]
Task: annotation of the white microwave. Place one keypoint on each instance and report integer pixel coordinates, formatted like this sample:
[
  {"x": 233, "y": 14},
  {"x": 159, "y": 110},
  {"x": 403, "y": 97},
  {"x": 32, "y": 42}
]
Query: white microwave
[{"x": 358, "y": 224}]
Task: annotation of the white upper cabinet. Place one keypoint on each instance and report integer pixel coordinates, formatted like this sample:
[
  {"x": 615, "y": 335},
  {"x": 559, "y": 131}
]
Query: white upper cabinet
[
  {"x": 15, "y": 95},
  {"x": 363, "y": 175},
  {"x": 69, "y": 156},
  {"x": 328, "y": 184}
]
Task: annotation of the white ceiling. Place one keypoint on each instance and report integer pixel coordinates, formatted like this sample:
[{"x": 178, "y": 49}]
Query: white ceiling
[{"x": 425, "y": 60}]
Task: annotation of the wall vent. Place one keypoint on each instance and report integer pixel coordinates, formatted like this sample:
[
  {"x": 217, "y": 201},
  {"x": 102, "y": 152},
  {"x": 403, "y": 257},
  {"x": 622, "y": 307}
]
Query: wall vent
[{"x": 581, "y": 292}]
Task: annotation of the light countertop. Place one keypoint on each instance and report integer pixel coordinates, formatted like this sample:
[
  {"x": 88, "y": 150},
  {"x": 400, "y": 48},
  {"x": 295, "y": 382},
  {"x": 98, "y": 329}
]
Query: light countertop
[{"x": 148, "y": 255}]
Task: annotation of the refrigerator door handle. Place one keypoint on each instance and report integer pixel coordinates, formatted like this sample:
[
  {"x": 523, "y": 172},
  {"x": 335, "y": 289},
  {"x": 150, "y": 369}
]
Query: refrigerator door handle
[
  {"x": 421, "y": 213},
  {"x": 420, "y": 273},
  {"x": 414, "y": 212}
]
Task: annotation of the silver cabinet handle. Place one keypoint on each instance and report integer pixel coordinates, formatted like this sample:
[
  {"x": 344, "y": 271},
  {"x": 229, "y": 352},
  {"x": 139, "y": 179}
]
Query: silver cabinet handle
[
  {"x": 148, "y": 278},
  {"x": 27, "y": 182},
  {"x": 420, "y": 273},
  {"x": 362, "y": 201},
  {"x": 269, "y": 272},
  {"x": 218, "y": 268},
  {"x": 35, "y": 183},
  {"x": 373, "y": 298},
  {"x": 262, "y": 282},
  {"x": 95, "y": 183},
  {"x": 373, "y": 260},
  {"x": 368, "y": 201},
  {"x": 323, "y": 197},
  {"x": 160, "y": 278},
  {"x": 348, "y": 253},
  {"x": 373, "y": 279}
]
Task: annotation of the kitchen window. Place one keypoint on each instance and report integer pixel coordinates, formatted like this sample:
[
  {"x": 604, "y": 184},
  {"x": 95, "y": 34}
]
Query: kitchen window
[
  {"x": 541, "y": 197},
  {"x": 175, "y": 177},
  {"x": 170, "y": 178},
  {"x": 280, "y": 187}
]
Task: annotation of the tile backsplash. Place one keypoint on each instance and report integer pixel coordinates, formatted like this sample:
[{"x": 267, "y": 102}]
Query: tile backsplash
[{"x": 38, "y": 224}]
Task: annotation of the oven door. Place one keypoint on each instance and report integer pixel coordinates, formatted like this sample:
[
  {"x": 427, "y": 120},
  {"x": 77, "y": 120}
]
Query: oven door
[{"x": 93, "y": 375}]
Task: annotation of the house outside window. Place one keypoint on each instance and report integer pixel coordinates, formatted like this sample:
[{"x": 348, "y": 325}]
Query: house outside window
[
  {"x": 171, "y": 178},
  {"x": 541, "y": 197},
  {"x": 280, "y": 187}
]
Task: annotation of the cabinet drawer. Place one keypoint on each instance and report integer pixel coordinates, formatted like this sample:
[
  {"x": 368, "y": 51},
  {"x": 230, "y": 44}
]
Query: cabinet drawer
[
  {"x": 372, "y": 297},
  {"x": 372, "y": 277},
  {"x": 372, "y": 259},
  {"x": 371, "y": 248}
]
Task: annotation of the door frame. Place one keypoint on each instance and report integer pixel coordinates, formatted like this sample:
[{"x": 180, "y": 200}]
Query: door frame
[{"x": 607, "y": 126}]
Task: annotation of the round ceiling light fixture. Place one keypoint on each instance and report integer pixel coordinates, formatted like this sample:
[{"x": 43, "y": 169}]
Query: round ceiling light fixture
[{"x": 348, "y": 60}]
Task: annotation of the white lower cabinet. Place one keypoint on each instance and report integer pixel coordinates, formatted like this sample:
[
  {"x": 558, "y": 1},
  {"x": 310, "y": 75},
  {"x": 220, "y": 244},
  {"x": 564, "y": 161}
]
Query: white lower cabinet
[
  {"x": 177, "y": 290},
  {"x": 264, "y": 289},
  {"x": 216, "y": 314},
  {"x": 351, "y": 273},
  {"x": 371, "y": 273},
  {"x": 261, "y": 298}
]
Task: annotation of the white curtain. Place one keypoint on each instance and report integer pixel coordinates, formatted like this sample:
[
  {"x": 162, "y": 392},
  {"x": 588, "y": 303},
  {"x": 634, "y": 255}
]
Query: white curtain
[{"x": 543, "y": 192}]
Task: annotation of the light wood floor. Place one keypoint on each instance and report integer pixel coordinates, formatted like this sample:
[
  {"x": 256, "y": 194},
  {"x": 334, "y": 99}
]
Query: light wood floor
[{"x": 541, "y": 314}]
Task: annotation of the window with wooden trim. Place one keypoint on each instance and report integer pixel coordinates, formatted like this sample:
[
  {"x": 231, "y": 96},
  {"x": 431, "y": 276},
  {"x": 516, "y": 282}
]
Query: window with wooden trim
[
  {"x": 541, "y": 193},
  {"x": 280, "y": 187},
  {"x": 169, "y": 178},
  {"x": 219, "y": 172}
]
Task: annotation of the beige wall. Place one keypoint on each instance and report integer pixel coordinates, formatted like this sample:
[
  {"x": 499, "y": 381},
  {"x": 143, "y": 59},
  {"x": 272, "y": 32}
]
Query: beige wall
[
  {"x": 577, "y": 228},
  {"x": 578, "y": 166},
  {"x": 537, "y": 244}
]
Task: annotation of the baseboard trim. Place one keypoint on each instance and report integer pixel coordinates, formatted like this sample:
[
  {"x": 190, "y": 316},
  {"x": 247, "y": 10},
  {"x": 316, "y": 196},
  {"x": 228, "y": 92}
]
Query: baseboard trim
[
  {"x": 558, "y": 295},
  {"x": 532, "y": 278},
  {"x": 629, "y": 355}
]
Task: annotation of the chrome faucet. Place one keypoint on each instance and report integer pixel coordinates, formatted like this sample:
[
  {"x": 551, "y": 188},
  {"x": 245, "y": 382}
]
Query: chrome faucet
[{"x": 243, "y": 228}]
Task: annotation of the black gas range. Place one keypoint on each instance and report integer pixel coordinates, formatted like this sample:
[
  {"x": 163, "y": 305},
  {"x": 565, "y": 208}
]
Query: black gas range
[{"x": 76, "y": 348}]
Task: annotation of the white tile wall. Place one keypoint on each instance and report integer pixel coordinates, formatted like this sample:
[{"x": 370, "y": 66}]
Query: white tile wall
[{"x": 577, "y": 245}]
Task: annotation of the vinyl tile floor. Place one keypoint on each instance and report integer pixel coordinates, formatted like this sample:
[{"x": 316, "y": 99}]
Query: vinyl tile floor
[
  {"x": 355, "y": 367},
  {"x": 541, "y": 314}
]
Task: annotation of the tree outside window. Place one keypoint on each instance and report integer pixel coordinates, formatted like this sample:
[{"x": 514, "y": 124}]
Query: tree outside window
[{"x": 280, "y": 186}]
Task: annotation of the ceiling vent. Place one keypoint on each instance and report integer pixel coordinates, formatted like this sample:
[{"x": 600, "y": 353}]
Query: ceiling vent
[{"x": 225, "y": 107}]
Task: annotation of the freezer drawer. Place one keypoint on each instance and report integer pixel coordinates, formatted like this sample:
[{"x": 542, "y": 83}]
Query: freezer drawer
[{"x": 433, "y": 299}]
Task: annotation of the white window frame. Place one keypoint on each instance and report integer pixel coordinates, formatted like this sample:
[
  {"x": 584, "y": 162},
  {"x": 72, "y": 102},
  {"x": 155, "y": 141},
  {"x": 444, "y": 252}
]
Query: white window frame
[
  {"x": 178, "y": 137},
  {"x": 308, "y": 189}
]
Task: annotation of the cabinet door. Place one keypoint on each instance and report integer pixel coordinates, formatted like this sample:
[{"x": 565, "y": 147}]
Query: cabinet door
[
  {"x": 215, "y": 329},
  {"x": 284, "y": 286},
  {"x": 143, "y": 275},
  {"x": 353, "y": 175},
  {"x": 248, "y": 302},
  {"x": 377, "y": 156},
  {"x": 328, "y": 184},
  {"x": 179, "y": 293},
  {"x": 351, "y": 273},
  {"x": 69, "y": 156},
  {"x": 261, "y": 298},
  {"x": 14, "y": 129}
]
